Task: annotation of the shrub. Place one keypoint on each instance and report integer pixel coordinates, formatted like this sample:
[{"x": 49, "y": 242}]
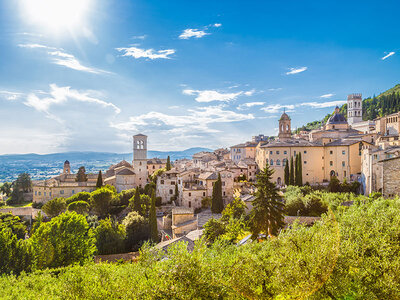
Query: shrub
[
  {"x": 82, "y": 196},
  {"x": 80, "y": 207},
  {"x": 110, "y": 237},
  {"x": 158, "y": 201},
  {"x": 137, "y": 230},
  {"x": 100, "y": 201},
  {"x": 54, "y": 207},
  {"x": 14, "y": 224}
]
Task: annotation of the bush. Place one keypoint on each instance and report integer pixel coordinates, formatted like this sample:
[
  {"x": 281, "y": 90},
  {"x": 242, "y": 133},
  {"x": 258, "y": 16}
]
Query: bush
[
  {"x": 123, "y": 197},
  {"x": 137, "y": 231},
  {"x": 54, "y": 207},
  {"x": 206, "y": 202},
  {"x": 14, "y": 224},
  {"x": 213, "y": 229},
  {"x": 110, "y": 237},
  {"x": 82, "y": 196},
  {"x": 64, "y": 240},
  {"x": 158, "y": 201},
  {"x": 37, "y": 205},
  {"x": 100, "y": 201},
  {"x": 80, "y": 207}
]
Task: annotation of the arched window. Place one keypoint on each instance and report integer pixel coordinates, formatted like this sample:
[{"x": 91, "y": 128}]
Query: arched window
[
  {"x": 284, "y": 161},
  {"x": 271, "y": 162},
  {"x": 287, "y": 127},
  {"x": 278, "y": 162}
]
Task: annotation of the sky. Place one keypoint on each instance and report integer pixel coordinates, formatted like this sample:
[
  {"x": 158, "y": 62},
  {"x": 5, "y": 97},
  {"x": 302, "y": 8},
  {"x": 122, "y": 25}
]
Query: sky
[{"x": 87, "y": 75}]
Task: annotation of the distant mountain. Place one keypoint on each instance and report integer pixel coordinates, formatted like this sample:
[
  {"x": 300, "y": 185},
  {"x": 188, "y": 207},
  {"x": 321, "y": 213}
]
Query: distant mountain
[
  {"x": 48, "y": 165},
  {"x": 384, "y": 104}
]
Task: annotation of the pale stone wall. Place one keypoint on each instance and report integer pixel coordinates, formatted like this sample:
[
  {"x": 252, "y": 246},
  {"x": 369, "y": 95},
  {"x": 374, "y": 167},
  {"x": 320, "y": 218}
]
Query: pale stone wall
[
  {"x": 391, "y": 178},
  {"x": 43, "y": 194},
  {"x": 166, "y": 187},
  {"x": 192, "y": 198}
]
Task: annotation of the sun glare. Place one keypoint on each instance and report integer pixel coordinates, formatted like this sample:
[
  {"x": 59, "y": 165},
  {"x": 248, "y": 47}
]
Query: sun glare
[{"x": 56, "y": 15}]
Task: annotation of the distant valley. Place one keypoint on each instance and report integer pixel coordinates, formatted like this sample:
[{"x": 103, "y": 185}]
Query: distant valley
[{"x": 48, "y": 165}]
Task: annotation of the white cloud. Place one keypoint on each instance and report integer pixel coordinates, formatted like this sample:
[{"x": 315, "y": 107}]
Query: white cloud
[
  {"x": 212, "y": 95},
  {"x": 249, "y": 104},
  {"x": 146, "y": 53},
  {"x": 296, "y": 70},
  {"x": 388, "y": 55},
  {"x": 274, "y": 89},
  {"x": 60, "y": 95},
  {"x": 139, "y": 37},
  {"x": 276, "y": 108},
  {"x": 217, "y": 25},
  {"x": 327, "y": 96},
  {"x": 323, "y": 104},
  {"x": 60, "y": 57},
  {"x": 195, "y": 33},
  {"x": 10, "y": 96}
]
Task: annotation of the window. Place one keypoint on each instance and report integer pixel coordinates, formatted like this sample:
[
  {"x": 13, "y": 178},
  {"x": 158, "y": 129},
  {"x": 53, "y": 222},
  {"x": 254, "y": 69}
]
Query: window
[
  {"x": 35, "y": 193},
  {"x": 284, "y": 162},
  {"x": 190, "y": 204},
  {"x": 271, "y": 162},
  {"x": 224, "y": 193},
  {"x": 331, "y": 152},
  {"x": 294, "y": 153},
  {"x": 179, "y": 181},
  {"x": 277, "y": 152},
  {"x": 62, "y": 192},
  {"x": 190, "y": 194},
  {"x": 331, "y": 163},
  {"x": 278, "y": 162},
  {"x": 223, "y": 183},
  {"x": 44, "y": 194},
  {"x": 343, "y": 164},
  {"x": 305, "y": 162},
  {"x": 343, "y": 152},
  {"x": 172, "y": 182},
  {"x": 344, "y": 173},
  {"x": 50, "y": 194},
  {"x": 305, "y": 152},
  {"x": 40, "y": 193},
  {"x": 204, "y": 194},
  {"x": 284, "y": 152},
  {"x": 162, "y": 181},
  {"x": 170, "y": 192},
  {"x": 270, "y": 152},
  {"x": 154, "y": 167}
]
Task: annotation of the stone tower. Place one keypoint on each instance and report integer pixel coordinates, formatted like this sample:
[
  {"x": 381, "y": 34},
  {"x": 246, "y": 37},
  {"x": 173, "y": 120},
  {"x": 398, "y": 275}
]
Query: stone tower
[
  {"x": 354, "y": 108},
  {"x": 140, "y": 159},
  {"x": 285, "y": 132},
  {"x": 67, "y": 167}
]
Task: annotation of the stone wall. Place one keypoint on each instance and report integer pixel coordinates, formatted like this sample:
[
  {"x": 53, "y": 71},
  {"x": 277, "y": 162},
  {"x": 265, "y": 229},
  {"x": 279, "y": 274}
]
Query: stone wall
[{"x": 391, "y": 178}]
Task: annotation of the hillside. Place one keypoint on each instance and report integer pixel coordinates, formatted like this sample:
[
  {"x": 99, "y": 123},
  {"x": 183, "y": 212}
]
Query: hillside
[{"x": 384, "y": 104}]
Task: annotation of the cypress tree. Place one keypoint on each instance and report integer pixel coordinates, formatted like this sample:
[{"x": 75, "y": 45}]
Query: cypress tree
[
  {"x": 296, "y": 170},
  {"x": 168, "y": 165},
  {"x": 99, "y": 182},
  {"x": 81, "y": 175},
  {"x": 267, "y": 213},
  {"x": 291, "y": 173},
  {"x": 153, "y": 219},
  {"x": 300, "y": 171},
  {"x": 137, "y": 205},
  {"x": 176, "y": 191},
  {"x": 217, "y": 204},
  {"x": 287, "y": 174}
]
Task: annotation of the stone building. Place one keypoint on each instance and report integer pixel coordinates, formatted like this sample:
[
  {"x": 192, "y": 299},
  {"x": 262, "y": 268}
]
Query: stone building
[
  {"x": 155, "y": 164},
  {"x": 354, "y": 108},
  {"x": 242, "y": 151},
  {"x": 390, "y": 176},
  {"x": 285, "y": 131}
]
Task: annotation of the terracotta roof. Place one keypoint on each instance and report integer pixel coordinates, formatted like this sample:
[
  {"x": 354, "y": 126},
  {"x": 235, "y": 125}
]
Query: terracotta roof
[
  {"x": 208, "y": 176},
  {"x": 125, "y": 172},
  {"x": 292, "y": 143}
]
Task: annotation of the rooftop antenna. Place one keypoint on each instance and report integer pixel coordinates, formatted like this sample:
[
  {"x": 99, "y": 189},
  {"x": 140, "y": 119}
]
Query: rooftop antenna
[{"x": 284, "y": 109}]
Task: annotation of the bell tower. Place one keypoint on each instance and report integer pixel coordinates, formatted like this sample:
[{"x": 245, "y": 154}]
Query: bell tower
[
  {"x": 140, "y": 159},
  {"x": 285, "y": 132},
  {"x": 354, "y": 108},
  {"x": 67, "y": 167}
]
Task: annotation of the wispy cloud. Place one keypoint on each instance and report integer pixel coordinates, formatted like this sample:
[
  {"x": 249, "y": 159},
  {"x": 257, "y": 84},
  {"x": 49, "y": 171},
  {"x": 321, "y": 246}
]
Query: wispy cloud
[
  {"x": 146, "y": 53},
  {"x": 325, "y": 96},
  {"x": 388, "y": 55},
  {"x": 323, "y": 104},
  {"x": 139, "y": 37},
  {"x": 296, "y": 70},
  {"x": 249, "y": 104},
  {"x": 274, "y": 89},
  {"x": 59, "y": 95},
  {"x": 217, "y": 25},
  {"x": 62, "y": 58},
  {"x": 192, "y": 33},
  {"x": 10, "y": 96},
  {"x": 276, "y": 108},
  {"x": 213, "y": 95}
]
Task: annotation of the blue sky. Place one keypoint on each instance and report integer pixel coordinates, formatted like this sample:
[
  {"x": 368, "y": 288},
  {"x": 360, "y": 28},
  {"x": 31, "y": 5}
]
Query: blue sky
[{"x": 87, "y": 75}]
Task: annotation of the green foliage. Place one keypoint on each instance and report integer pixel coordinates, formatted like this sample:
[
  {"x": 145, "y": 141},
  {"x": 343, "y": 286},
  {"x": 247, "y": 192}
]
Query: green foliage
[
  {"x": 149, "y": 188},
  {"x": 64, "y": 240},
  {"x": 153, "y": 219},
  {"x": 158, "y": 201},
  {"x": 235, "y": 209},
  {"x": 6, "y": 188},
  {"x": 81, "y": 175},
  {"x": 168, "y": 165},
  {"x": 156, "y": 174},
  {"x": 100, "y": 201},
  {"x": 287, "y": 174},
  {"x": 267, "y": 213},
  {"x": 82, "y": 196},
  {"x": 291, "y": 172},
  {"x": 135, "y": 203},
  {"x": 54, "y": 207},
  {"x": 137, "y": 230},
  {"x": 299, "y": 170},
  {"x": 213, "y": 229},
  {"x": 111, "y": 188},
  {"x": 80, "y": 207},
  {"x": 145, "y": 203},
  {"x": 14, "y": 224},
  {"x": 217, "y": 204},
  {"x": 206, "y": 202},
  {"x": 124, "y": 197},
  {"x": 22, "y": 185},
  {"x": 110, "y": 237},
  {"x": 99, "y": 182},
  {"x": 334, "y": 185}
]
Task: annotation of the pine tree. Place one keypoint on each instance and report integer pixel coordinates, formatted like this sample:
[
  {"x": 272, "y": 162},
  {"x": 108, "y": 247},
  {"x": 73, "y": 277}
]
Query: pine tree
[
  {"x": 217, "y": 204},
  {"x": 291, "y": 173},
  {"x": 168, "y": 165},
  {"x": 99, "y": 182},
  {"x": 153, "y": 219},
  {"x": 137, "y": 205},
  {"x": 81, "y": 175},
  {"x": 287, "y": 174},
  {"x": 268, "y": 208}
]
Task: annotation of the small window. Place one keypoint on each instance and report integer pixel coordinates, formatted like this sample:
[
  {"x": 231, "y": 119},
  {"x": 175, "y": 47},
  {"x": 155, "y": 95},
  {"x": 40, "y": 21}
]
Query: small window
[
  {"x": 305, "y": 162},
  {"x": 223, "y": 183},
  {"x": 344, "y": 173},
  {"x": 73, "y": 192},
  {"x": 271, "y": 162},
  {"x": 40, "y": 193},
  {"x": 172, "y": 182},
  {"x": 343, "y": 164},
  {"x": 154, "y": 167},
  {"x": 50, "y": 194},
  {"x": 343, "y": 152},
  {"x": 331, "y": 152},
  {"x": 62, "y": 192},
  {"x": 270, "y": 152},
  {"x": 224, "y": 193},
  {"x": 204, "y": 194},
  {"x": 277, "y": 152},
  {"x": 305, "y": 152},
  {"x": 331, "y": 163},
  {"x": 190, "y": 194},
  {"x": 294, "y": 153},
  {"x": 284, "y": 152},
  {"x": 162, "y": 181},
  {"x": 44, "y": 194},
  {"x": 170, "y": 192},
  {"x": 35, "y": 193},
  {"x": 278, "y": 162}
]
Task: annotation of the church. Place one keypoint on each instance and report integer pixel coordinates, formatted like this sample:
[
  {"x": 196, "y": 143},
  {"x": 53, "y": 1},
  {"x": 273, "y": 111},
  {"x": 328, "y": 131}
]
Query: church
[{"x": 122, "y": 175}]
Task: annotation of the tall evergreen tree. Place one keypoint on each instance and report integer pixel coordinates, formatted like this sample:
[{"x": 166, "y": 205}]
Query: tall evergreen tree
[
  {"x": 300, "y": 171},
  {"x": 291, "y": 172},
  {"x": 296, "y": 170},
  {"x": 176, "y": 191},
  {"x": 99, "y": 182},
  {"x": 153, "y": 219},
  {"x": 137, "y": 205},
  {"x": 287, "y": 173},
  {"x": 268, "y": 208},
  {"x": 217, "y": 204},
  {"x": 168, "y": 165},
  {"x": 81, "y": 175}
]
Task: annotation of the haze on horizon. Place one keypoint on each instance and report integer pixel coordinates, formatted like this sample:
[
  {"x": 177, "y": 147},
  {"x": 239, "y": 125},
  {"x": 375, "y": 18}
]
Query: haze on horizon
[{"x": 86, "y": 75}]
